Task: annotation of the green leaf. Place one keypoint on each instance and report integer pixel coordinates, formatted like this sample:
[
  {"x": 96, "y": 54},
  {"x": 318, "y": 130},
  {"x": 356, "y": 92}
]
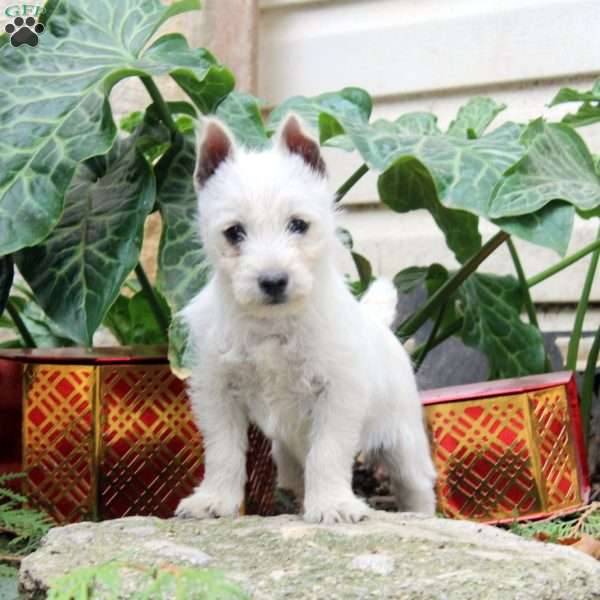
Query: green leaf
[
  {"x": 465, "y": 171},
  {"x": 364, "y": 270},
  {"x": 7, "y": 273},
  {"x": 45, "y": 333},
  {"x": 196, "y": 71},
  {"x": 241, "y": 112},
  {"x": 182, "y": 269},
  {"x": 587, "y": 114},
  {"x": 411, "y": 278},
  {"x": 492, "y": 306},
  {"x": 77, "y": 271},
  {"x": 474, "y": 117},
  {"x": 551, "y": 226},
  {"x": 129, "y": 122},
  {"x": 182, "y": 357},
  {"x": 132, "y": 321},
  {"x": 558, "y": 166},
  {"x": 417, "y": 123},
  {"x": 55, "y": 111},
  {"x": 407, "y": 185},
  {"x": 349, "y": 105},
  {"x": 571, "y": 95}
]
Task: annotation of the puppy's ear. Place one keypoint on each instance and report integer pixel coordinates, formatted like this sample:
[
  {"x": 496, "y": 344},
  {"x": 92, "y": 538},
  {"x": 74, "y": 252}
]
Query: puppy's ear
[
  {"x": 215, "y": 146},
  {"x": 293, "y": 138}
]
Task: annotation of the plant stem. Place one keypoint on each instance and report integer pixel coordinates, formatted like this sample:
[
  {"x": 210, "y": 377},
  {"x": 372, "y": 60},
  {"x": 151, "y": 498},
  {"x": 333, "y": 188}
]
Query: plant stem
[
  {"x": 563, "y": 264},
  {"x": 582, "y": 306},
  {"x": 587, "y": 387},
  {"x": 159, "y": 315},
  {"x": 449, "y": 331},
  {"x": 424, "y": 351},
  {"x": 161, "y": 105},
  {"x": 349, "y": 183},
  {"x": 529, "y": 307},
  {"x": 20, "y": 325},
  {"x": 410, "y": 325}
]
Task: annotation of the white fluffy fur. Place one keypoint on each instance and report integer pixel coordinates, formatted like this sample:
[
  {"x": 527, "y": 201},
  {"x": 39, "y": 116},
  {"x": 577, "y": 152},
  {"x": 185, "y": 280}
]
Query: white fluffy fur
[{"x": 321, "y": 374}]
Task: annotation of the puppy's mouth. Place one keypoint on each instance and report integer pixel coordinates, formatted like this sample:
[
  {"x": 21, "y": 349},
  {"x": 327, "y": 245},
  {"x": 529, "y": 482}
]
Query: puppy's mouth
[{"x": 274, "y": 300}]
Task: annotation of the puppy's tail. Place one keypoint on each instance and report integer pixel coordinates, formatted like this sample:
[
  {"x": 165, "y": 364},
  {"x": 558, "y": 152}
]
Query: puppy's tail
[{"x": 380, "y": 300}]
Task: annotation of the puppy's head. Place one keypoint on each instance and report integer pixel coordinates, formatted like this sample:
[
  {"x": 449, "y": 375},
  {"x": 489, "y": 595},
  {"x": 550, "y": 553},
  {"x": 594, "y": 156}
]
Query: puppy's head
[{"x": 266, "y": 217}]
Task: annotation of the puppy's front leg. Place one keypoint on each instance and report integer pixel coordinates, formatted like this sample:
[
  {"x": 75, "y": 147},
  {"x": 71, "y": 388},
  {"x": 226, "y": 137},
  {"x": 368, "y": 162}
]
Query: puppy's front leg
[
  {"x": 328, "y": 472},
  {"x": 224, "y": 428}
]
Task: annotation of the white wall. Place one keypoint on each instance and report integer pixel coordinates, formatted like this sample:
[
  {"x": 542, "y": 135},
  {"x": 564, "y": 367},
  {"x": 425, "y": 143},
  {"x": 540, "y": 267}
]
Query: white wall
[{"x": 433, "y": 55}]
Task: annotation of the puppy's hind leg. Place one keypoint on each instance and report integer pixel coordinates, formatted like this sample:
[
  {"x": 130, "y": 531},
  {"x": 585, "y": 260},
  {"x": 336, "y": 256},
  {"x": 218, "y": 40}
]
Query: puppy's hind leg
[{"x": 411, "y": 470}]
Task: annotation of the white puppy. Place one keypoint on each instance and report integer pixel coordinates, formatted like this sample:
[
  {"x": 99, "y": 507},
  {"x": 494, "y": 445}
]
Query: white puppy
[{"x": 282, "y": 342}]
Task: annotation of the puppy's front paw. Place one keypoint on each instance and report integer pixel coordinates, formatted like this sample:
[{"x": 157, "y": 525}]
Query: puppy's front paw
[
  {"x": 346, "y": 510},
  {"x": 205, "y": 505}
]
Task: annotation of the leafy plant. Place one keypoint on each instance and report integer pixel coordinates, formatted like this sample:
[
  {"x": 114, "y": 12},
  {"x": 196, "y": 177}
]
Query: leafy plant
[
  {"x": 23, "y": 528},
  {"x": 105, "y": 581},
  {"x": 75, "y": 194}
]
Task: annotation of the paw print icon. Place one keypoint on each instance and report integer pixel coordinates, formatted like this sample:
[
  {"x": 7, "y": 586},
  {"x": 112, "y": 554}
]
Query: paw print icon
[{"x": 24, "y": 31}]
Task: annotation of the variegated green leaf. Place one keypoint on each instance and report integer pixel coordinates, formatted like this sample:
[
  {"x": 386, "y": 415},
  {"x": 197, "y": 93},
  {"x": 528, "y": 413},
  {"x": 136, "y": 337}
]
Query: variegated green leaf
[
  {"x": 558, "y": 166},
  {"x": 465, "y": 171},
  {"x": 241, "y": 112},
  {"x": 492, "y": 305},
  {"x": 182, "y": 270},
  {"x": 182, "y": 356},
  {"x": 55, "y": 111},
  {"x": 474, "y": 117},
  {"x": 587, "y": 114},
  {"x": 407, "y": 185},
  {"x": 77, "y": 271},
  {"x": 417, "y": 123},
  {"x": 550, "y": 226},
  {"x": 7, "y": 272},
  {"x": 572, "y": 95},
  {"x": 349, "y": 105}
]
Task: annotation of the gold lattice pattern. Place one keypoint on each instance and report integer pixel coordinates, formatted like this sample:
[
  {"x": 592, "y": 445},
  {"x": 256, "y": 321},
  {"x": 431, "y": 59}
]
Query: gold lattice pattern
[
  {"x": 115, "y": 440},
  {"x": 58, "y": 440},
  {"x": 501, "y": 457},
  {"x": 151, "y": 453}
]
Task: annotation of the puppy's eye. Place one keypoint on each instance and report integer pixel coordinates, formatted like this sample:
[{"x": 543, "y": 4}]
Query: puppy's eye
[
  {"x": 298, "y": 226},
  {"x": 235, "y": 234}
]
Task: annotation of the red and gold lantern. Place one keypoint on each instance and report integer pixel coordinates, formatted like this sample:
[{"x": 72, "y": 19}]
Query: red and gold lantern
[
  {"x": 509, "y": 449},
  {"x": 109, "y": 433}
]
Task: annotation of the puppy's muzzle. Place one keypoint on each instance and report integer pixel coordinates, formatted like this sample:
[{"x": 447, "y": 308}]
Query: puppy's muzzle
[{"x": 273, "y": 284}]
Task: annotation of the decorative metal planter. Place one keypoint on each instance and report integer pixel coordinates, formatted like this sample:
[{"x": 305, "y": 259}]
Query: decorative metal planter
[
  {"x": 108, "y": 433},
  {"x": 509, "y": 449}
]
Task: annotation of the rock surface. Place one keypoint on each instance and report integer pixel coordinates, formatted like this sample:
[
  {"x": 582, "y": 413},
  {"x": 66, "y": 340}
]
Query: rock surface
[{"x": 399, "y": 556}]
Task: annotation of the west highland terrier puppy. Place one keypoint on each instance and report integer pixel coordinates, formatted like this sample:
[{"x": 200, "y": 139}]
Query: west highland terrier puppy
[{"x": 281, "y": 341}]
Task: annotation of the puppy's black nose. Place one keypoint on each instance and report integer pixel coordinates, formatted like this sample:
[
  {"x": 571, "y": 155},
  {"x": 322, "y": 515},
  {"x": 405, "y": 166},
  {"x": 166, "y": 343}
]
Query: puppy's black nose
[{"x": 273, "y": 284}]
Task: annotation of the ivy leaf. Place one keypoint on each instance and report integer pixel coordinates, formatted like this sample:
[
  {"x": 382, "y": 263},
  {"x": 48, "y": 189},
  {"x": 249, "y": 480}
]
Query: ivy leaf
[
  {"x": 474, "y": 117},
  {"x": 182, "y": 269},
  {"x": 464, "y": 171},
  {"x": 55, "y": 111},
  {"x": 492, "y": 305},
  {"x": 241, "y": 113},
  {"x": 364, "y": 270},
  {"x": 407, "y": 185},
  {"x": 557, "y": 166},
  {"x": 551, "y": 226},
  {"x": 181, "y": 352},
  {"x": 587, "y": 114},
  {"x": 571, "y": 95},
  {"x": 132, "y": 320},
  {"x": 349, "y": 105},
  {"x": 77, "y": 271},
  {"x": 45, "y": 333},
  {"x": 7, "y": 273},
  {"x": 196, "y": 71}
]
